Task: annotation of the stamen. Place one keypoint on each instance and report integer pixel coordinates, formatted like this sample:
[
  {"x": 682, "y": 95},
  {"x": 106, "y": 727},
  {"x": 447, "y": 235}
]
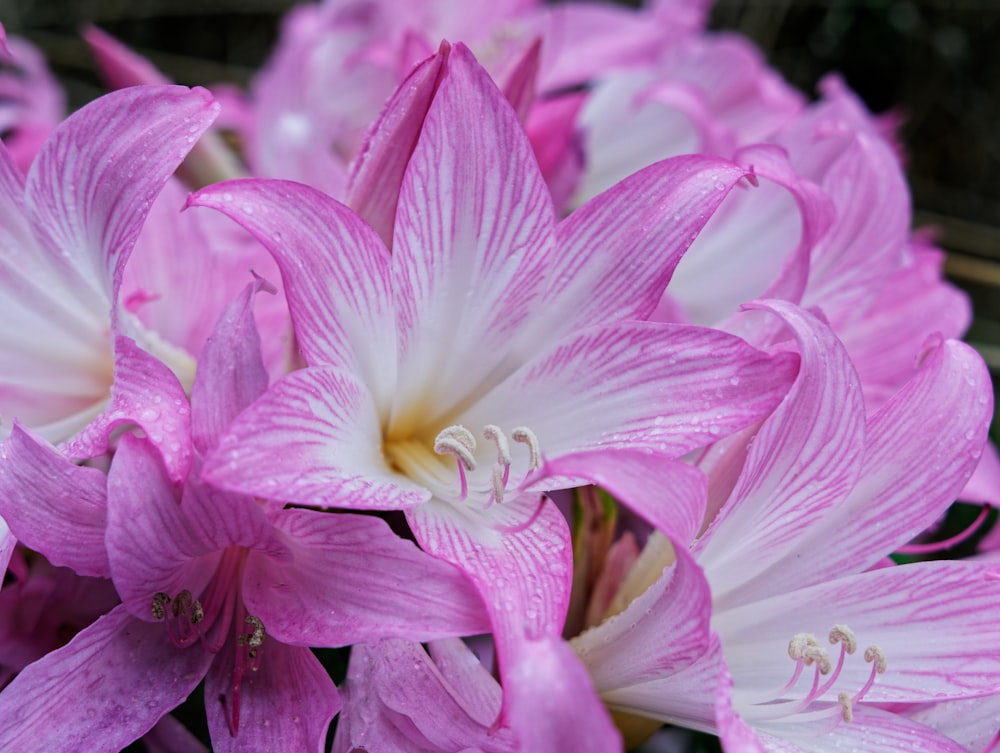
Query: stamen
[
  {"x": 497, "y": 476},
  {"x": 845, "y": 636},
  {"x": 494, "y": 434},
  {"x": 526, "y": 436},
  {"x": 459, "y": 442},
  {"x": 846, "y": 710},
  {"x": 160, "y": 601},
  {"x": 805, "y": 651}
]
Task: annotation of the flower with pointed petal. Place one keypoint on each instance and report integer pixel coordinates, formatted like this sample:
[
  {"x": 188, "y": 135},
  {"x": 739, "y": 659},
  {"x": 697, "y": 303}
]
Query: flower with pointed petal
[
  {"x": 214, "y": 585},
  {"x": 490, "y": 341}
]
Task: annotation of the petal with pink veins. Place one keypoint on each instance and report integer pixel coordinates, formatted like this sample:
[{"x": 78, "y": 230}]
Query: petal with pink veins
[
  {"x": 472, "y": 240},
  {"x": 323, "y": 593},
  {"x": 312, "y": 439},
  {"x": 334, "y": 268},
  {"x": 54, "y": 505},
  {"x": 104, "y": 689},
  {"x": 284, "y": 707}
]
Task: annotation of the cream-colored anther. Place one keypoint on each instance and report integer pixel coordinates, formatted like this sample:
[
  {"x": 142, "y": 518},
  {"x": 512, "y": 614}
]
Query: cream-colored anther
[
  {"x": 877, "y": 655},
  {"x": 845, "y": 636},
  {"x": 496, "y": 478},
  {"x": 846, "y": 710},
  {"x": 457, "y": 441},
  {"x": 799, "y": 643},
  {"x": 820, "y": 657},
  {"x": 495, "y": 434},
  {"x": 526, "y": 436}
]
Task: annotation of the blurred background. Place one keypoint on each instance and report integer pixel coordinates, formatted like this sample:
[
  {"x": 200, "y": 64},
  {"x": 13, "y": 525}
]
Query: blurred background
[{"x": 934, "y": 63}]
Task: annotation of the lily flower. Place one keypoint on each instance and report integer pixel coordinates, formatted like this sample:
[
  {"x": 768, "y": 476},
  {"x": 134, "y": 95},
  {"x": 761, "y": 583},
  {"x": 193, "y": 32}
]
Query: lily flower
[
  {"x": 491, "y": 339},
  {"x": 71, "y": 360},
  {"x": 778, "y": 630},
  {"x": 214, "y": 586}
]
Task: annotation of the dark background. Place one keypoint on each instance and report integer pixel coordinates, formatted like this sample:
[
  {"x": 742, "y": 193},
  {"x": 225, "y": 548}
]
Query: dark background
[{"x": 935, "y": 62}]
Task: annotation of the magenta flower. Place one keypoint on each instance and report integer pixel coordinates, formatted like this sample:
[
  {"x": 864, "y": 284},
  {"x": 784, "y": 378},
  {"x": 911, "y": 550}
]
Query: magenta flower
[
  {"x": 213, "y": 585},
  {"x": 490, "y": 341}
]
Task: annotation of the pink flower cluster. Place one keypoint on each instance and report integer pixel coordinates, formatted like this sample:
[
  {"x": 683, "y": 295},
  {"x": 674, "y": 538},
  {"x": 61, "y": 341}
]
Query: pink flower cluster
[{"x": 404, "y": 377}]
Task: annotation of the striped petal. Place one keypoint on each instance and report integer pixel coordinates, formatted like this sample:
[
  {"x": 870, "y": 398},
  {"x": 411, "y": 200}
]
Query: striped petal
[
  {"x": 312, "y": 439},
  {"x": 472, "y": 235},
  {"x": 334, "y": 268}
]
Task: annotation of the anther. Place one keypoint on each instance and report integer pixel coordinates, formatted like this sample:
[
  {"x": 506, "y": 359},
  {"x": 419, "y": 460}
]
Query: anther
[
  {"x": 494, "y": 434},
  {"x": 846, "y": 710},
  {"x": 181, "y": 603},
  {"x": 526, "y": 436},
  {"x": 160, "y": 601},
  {"x": 457, "y": 441},
  {"x": 499, "y": 482},
  {"x": 877, "y": 655},
  {"x": 845, "y": 636},
  {"x": 799, "y": 643}
]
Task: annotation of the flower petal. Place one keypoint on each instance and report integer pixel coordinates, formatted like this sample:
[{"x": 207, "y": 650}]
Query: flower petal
[
  {"x": 616, "y": 253},
  {"x": 313, "y": 438},
  {"x": 146, "y": 393},
  {"x": 53, "y": 505},
  {"x": 551, "y": 703},
  {"x": 517, "y": 553},
  {"x": 472, "y": 238},
  {"x": 922, "y": 446},
  {"x": 802, "y": 463},
  {"x": 284, "y": 707},
  {"x": 350, "y": 579},
  {"x": 668, "y": 494},
  {"x": 90, "y": 185},
  {"x": 104, "y": 689},
  {"x": 935, "y": 622},
  {"x": 231, "y": 372},
  {"x": 373, "y": 188},
  {"x": 669, "y": 388},
  {"x": 395, "y": 698},
  {"x": 334, "y": 268}
]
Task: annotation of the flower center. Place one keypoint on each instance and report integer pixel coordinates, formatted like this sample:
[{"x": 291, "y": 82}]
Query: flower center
[
  {"x": 820, "y": 701},
  {"x": 209, "y": 619},
  {"x": 473, "y": 481}
]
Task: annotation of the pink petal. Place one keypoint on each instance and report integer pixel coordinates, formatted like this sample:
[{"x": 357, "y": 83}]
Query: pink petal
[
  {"x": 668, "y": 494},
  {"x": 53, "y": 505},
  {"x": 145, "y": 393},
  {"x": 551, "y": 703},
  {"x": 314, "y": 439},
  {"x": 518, "y": 555},
  {"x": 646, "y": 385},
  {"x": 935, "y": 622},
  {"x": 350, "y": 579},
  {"x": 803, "y": 462},
  {"x": 395, "y": 698},
  {"x": 285, "y": 706},
  {"x": 871, "y": 731},
  {"x": 373, "y": 189},
  {"x": 92, "y": 182},
  {"x": 334, "y": 268},
  {"x": 472, "y": 238},
  {"x": 921, "y": 448},
  {"x": 473, "y": 683},
  {"x": 660, "y": 633},
  {"x": 231, "y": 373},
  {"x": 617, "y": 252},
  {"x": 151, "y": 542},
  {"x": 104, "y": 689}
]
